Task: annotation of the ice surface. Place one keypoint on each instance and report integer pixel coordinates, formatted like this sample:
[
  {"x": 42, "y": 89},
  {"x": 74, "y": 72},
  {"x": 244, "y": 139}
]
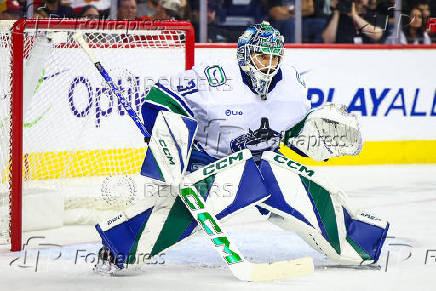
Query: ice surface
[{"x": 404, "y": 194}]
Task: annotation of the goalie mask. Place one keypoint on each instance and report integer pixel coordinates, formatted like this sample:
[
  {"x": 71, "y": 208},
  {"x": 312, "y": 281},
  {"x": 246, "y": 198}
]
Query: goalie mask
[{"x": 260, "y": 53}]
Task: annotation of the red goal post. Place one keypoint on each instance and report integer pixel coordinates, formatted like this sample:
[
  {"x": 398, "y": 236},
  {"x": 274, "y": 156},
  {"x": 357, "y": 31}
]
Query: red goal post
[{"x": 106, "y": 36}]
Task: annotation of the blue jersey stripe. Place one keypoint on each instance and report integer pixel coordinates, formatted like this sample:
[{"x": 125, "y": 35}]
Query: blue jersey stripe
[{"x": 190, "y": 92}]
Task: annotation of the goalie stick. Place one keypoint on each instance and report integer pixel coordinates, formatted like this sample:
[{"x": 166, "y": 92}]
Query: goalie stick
[
  {"x": 78, "y": 36},
  {"x": 239, "y": 266}
]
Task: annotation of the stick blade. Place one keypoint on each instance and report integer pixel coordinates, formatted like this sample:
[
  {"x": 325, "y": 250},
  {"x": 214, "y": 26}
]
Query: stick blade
[{"x": 282, "y": 270}]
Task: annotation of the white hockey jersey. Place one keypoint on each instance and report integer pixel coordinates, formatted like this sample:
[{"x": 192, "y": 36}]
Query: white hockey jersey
[{"x": 220, "y": 99}]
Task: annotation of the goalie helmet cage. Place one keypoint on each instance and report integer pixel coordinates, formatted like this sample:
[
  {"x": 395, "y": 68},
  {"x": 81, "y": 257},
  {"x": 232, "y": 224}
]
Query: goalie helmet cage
[{"x": 107, "y": 35}]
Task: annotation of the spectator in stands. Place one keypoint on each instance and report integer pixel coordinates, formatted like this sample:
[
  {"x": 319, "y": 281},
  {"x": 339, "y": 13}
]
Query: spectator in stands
[
  {"x": 103, "y": 6},
  {"x": 233, "y": 16},
  {"x": 165, "y": 10},
  {"x": 353, "y": 22},
  {"x": 281, "y": 17},
  {"x": 150, "y": 9},
  {"x": 39, "y": 13},
  {"x": 89, "y": 12},
  {"x": 386, "y": 8},
  {"x": 281, "y": 13},
  {"x": 143, "y": 7},
  {"x": 214, "y": 33},
  {"x": 12, "y": 9},
  {"x": 126, "y": 10},
  {"x": 241, "y": 12},
  {"x": 169, "y": 9},
  {"x": 424, "y": 6},
  {"x": 315, "y": 13},
  {"x": 53, "y": 9},
  {"x": 414, "y": 32}
]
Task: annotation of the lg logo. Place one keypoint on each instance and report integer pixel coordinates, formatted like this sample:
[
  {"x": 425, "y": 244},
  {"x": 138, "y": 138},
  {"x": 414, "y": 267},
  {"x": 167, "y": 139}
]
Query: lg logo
[{"x": 233, "y": 112}]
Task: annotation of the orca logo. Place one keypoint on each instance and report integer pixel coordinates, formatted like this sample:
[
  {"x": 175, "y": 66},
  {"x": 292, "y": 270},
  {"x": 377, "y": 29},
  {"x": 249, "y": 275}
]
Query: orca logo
[{"x": 215, "y": 75}]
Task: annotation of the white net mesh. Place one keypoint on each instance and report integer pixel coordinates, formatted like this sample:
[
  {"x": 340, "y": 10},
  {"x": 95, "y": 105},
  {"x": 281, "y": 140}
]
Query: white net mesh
[{"x": 76, "y": 135}]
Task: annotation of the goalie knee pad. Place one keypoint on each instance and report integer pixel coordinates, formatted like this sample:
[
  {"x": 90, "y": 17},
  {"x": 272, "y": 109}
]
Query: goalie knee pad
[{"x": 301, "y": 201}]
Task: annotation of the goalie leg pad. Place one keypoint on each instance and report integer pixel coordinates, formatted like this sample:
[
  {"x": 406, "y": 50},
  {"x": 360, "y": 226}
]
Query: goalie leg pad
[
  {"x": 228, "y": 186},
  {"x": 169, "y": 149},
  {"x": 120, "y": 234},
  {"x": 301, "y": 201},
  {"x": 198, "y": 160}
]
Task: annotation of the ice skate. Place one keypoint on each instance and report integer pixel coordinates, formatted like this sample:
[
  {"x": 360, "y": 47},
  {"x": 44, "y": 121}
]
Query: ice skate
[{"x": 106, "y": 265}]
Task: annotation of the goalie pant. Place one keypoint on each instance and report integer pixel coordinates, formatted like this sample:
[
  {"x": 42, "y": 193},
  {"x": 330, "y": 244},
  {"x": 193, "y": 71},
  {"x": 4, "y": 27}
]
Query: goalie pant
[{"x": 296, "y": 198}]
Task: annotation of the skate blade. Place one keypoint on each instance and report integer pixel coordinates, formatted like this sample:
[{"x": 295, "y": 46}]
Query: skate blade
[
  {"x": 374, "y": 267},
  {"x": 106, "y": 269}
]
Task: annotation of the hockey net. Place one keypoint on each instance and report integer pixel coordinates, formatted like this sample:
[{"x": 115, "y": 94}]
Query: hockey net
[{"x": 80, "y": 151}]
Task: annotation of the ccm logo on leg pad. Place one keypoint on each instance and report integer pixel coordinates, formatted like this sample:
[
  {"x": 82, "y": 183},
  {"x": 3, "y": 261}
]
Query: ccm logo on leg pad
[{"x": 166, "y": 152}]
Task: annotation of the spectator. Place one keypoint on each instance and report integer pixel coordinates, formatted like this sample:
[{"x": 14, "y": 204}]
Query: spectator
[
  {"x": 240, "y": 13},
  {"x": 53, "y": 9},
  {"x": 151, "y": 8},
  {"x": 12, "y": 9},
  {"x": 353, "y": 22},
  {"x": 424, "y": 6},
  {"x": 40, "y": 13},
  {"x": 214, "y": 33},
  {"x": 314, "y": 19},
  {"x": 169, "y": 9},
  {"x": 281, "y": 13},
  {"x": 281, "y": 18},
  {"x": 103, "y": 6},
  {"x": 143, "y": 7},
  {"x": 126, "y": 10},
  {"x": 89, "y": 12},
  {"x": 165, "y": 10},
  {"x": 386, "y": 8},
  {"x": 415, "y": 33}
]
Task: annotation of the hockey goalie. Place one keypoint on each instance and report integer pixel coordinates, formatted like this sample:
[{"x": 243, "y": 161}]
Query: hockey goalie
[{"x": 222, "y": 124}]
